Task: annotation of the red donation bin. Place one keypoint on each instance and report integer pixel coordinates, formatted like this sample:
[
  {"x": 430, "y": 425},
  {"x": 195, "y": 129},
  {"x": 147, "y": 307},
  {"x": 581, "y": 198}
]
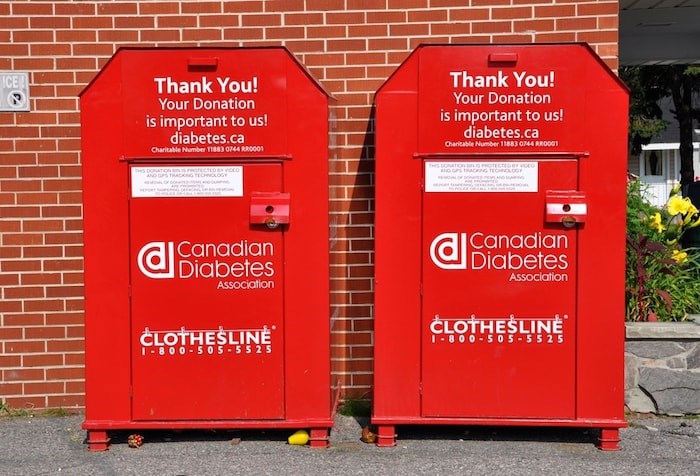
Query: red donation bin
[
  {"x": 500, "y": 235},
  {"x": 205, "y": 175}
]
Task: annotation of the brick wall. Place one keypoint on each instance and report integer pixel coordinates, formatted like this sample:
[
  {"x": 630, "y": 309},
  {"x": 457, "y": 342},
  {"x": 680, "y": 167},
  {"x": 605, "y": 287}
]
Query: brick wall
[{"x": 351, "y": 46}]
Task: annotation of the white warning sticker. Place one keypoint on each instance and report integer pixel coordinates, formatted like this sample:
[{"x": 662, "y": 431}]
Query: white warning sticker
[
  {"x": 468, "y": 176},
  {"x": 187, "y": 181}
]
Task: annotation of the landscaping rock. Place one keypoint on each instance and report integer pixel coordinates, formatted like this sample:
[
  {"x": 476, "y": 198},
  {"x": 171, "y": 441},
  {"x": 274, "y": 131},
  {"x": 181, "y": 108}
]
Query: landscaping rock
[{"x": 674, "y": 391}]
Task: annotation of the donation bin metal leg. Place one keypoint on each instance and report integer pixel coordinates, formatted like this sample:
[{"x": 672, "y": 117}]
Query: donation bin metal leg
[
  {"x": 386, "y": 435},
  {"x": 97, "y": 440},
  {"x": 609, "y": 439},
  {"x": 318, "y": 438}
]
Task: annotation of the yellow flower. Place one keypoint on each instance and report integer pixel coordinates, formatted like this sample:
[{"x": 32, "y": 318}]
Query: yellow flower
[
  {"x": 695, "y": 223},
  {"x": 680, "y": 256},
  {"x": 678, "y": 205},
  {"x": 655, "y": 222},
  {"x": 674, "y": 191}
]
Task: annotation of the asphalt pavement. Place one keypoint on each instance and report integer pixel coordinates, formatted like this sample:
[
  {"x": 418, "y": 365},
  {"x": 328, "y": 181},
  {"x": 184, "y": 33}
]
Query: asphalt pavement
[{"x": 56, "y": 446}]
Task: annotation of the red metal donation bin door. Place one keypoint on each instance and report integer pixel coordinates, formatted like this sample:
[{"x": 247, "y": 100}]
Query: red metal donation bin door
[
  {"x": 499, "y": 289},
  {"x": 207, "y": 312}
]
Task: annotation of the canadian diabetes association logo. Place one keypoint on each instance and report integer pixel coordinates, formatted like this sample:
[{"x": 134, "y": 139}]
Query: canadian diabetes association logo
[
  {"x": 240, "y": 264},
  {"x": 157, "y": 259},
  {"x": 537, "y": 256}
]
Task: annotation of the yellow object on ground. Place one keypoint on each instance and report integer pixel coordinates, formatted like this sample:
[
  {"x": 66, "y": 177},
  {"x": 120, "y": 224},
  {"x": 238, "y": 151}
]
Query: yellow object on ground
[{"x": 300, "y": 437}]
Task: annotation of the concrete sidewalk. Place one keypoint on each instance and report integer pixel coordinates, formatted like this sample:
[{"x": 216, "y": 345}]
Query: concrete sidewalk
[{"x": 55, "y": 446}]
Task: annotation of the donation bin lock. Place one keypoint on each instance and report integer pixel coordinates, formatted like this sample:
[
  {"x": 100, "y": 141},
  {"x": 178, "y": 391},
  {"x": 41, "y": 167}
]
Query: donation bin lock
[
  {"x": 565, "y": 207},
  {"x": 269, "y": 208}
]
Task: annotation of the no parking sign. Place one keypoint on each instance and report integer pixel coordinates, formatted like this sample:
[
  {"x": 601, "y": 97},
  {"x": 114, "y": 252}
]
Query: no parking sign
[{"x": 14, "y": 91}]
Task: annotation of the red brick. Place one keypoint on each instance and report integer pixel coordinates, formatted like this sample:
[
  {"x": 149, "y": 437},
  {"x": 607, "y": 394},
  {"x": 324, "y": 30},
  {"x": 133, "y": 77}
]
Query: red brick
[
  {"x": 75, "y": 358},
  {"x": 24, "y": 292},
  {"x": 284, "y": 32},
  {"x": 118, "y": 36},
  {"x": 159, "y": 8},
  {"x": 427, "y": 16},
  {"x": 60, "y": 211},
  {"x": 10, "y": 251},
  {"x": 65, "y": 291},
  {"x": 117, "y": 8},
  {"x": 598, "y": 8},
  {"x": 533, "y": 25},
  {"x": 9, "y": 306},
  {"x": 40, "y": 278},
  {"x": 511, "y": 13},
  {"x": 75, "y": 9},
  {"x": 347, "y": 45},
  {"x": 22, "y": 239},
  {"x": 446, "y": 3},
  {"x": 65, "y": 373},
  {"x": 70, "y": 197},
  {"x": 76, "y": 35},
  {"x": 201, "y": 7},
  {"x": 92, "y": 23},
  {"x": 265, "y": 20},
  {"x": 65, "y": 318},
  {"x": 50, "y": 22},
  {"x": 609, "y": 23},
  {"x": 344, "y": 18},
  {"x": 365, "y": 5},
  {"x": 28, "y": 403},
  {"x": 7, "y": 279},
  {"x": 75, "y": 332},
  {"x": 160, "y": 35},
  {"x": 362, "y": 31},
  {"x": 387, "y": 17},
  {"x": 577, "y": 24},
  {"x": 10, "y": 389},
  {"x": 242, "y": 34},
  {"x": 209, "y": 34},
  {"x": 32, "y": 36},
  {"x": 383, "y": 44},
  {"x": 177, "y": 21},
  {"x": 597, "y": 36},
  {"x": 42, "y": 251},
  {"x": 411, "y": 29},
  {"x": 408, "y": 4},
  {"x": 11, "y": 333},
  {"x": 362, "y": 380},
  {"x": 309, "y": 19},
  {"x": 23, "y": 319},
  {"x": 42, "y": 360},
  {"x": 555, "y": 11},
  {"x": 36, "y": 198},
  {"x": 556, "y": 37},
  {"x": 327, "y": 31},
  {"x": 284, "y": 5},
  {"x": 43, "y": 388},
  {"x": 330, "y": 5},
  {"x": 24, "y": 347},
  {"x": 73, "y": 345},
  {"x": 207, "y": 21},
  {"x": 63, "y": 265},
  {"x": 136, "y": 22},
  {"x": 44, "y": 333},
  {"x": 44, "y": 305},
  {"x": 15, "y": 49},
  {"x": 68, "y": 402},
  {"x": 8, "y": 361}
]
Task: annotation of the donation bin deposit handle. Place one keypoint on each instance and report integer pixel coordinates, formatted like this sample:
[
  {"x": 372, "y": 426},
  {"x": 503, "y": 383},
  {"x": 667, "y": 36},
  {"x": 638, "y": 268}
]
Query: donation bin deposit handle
[
  {"x": 269, "y": 208},
  {"x": 566, "y": 207}
]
